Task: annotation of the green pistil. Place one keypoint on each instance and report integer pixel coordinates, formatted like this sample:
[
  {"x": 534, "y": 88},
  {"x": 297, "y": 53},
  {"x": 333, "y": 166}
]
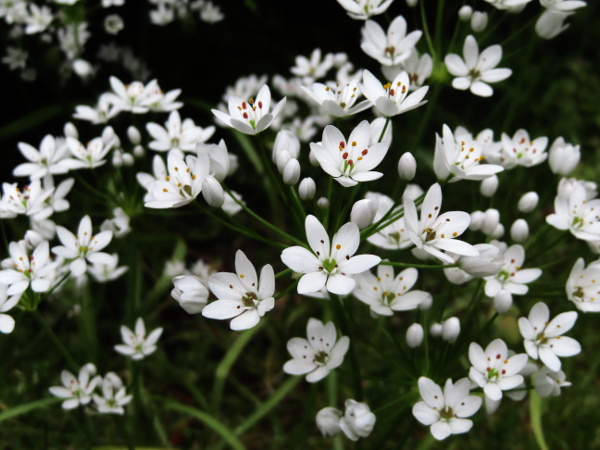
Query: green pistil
[
  {"x": 541, "y": 339},
  {"x": 187, "y": 189},
  {"x": 447, "y": 413},
  {"x": 330, "y": 265},
  {"x": 248, "y": 300},
  {"x": 395, "y": 236},
  {"x": 493, "y": 373},
  {"x": 253, "y": 124},
  {"x": 430, "y": 235},
  {"x": 321, "y": 357},
  {"x": 578, "y": 292},
  {"x": 503, "y": 275},
  {"x": 577, "y": 222},
  {"x": 388, "y": 297}
]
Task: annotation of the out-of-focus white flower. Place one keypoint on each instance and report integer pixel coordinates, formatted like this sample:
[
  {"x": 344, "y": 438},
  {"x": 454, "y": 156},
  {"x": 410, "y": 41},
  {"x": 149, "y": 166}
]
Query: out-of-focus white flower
[
  {"x": 77, "y": 391},
  {"x": 307, "y": 189},
  {"x": 358, "y": 420},
  {"x": 528, "y": 202},
  {"x": 328, "y": 421},
  {"x": 112, "y": 402},
  {"x": 107, "y": 271},
  {"x": 86, "y": 157},
  {"x": 119, "y": 224},
  {"x": 391, "y": 99},
  {"x": 210, "y": 13},
  {"x": 519, "y": 231},
  {"x": 7, "y": 323},
  {"x": 551, "y": 23},
  {"x": 414, "y": 335},
  {"x": 393, "y": 235},
  {"x": 576, "y": 212},
  {"x": 510, "y": 5},
  {"x": 136, "y": 344},
  {"x": 16, "y": 58},
  {"x": 177, "y": 134},
  {"x": 519, "y": 150},
  {"x": 563, "y": 157},
  {"x": 337, "y": 99},
  {"x": 190, "y": 292},
  {"x": 39, "y": 19},
  {"x": 388, "y": 48},
  {"x": 364, "y": 9},
  {"x": 583, "y": 286},
  {"x": 31, "y": 200},
  {"x": 479, "y": 21},
  {"x": 101, "y": 113},
  {"x": 548, "y": 383}
]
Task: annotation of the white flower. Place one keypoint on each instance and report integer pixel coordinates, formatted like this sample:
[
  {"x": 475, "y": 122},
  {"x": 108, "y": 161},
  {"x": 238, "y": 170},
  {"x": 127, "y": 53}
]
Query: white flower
[
  {"x": 337, "y": 99},
  {"x": 543, "y": 338},
  {"x": 101, "y": 113},
  {"x": 318, "y": 355},
  {"x": 177, "y": 134},
  {"x": 313, "y": 67},
  {"x": 7, "y": 323},
  {"x": 242, "y": 295},
  {"x": 394, "y": 235},
  {"x": 42, "y": 162},
  {"x": 583, "y": 286},
  {"x": 252, "y": 116},
  {"x": 135, "y": 97},
  {"x": 349, "y": 162},
  {"x": 190, "y": 292},
  {"x": 16, "y": 58},
  {"x": 493, "y": 370},
  {"x": 386, "y": 293},
  {"x": 563, "y": 157},
  {"x": 574, "y": 211},
  {"x": 119, "y": 224},
  {"x": 112, "y": 402},
  {"x": 434, "y": 234},
  {"x": 91, "y": 156},
  {"x": 520, "y": 150},
  {"x": 137, "y": 345},
  {"x": 388, "y": 48},
  {"x": 511, "y": 277},
  {"x": 363, "y": 9},
  {"x": 446, "y": 411},
  {"x": 77, "y": 391},
  {"x": 328, "y": 421},
  {"x": 476, "y": 70},
  {"x": 510, "y": 5},
  {"x": 107, "y": 271},
  {"x": 392, "y": 99},
  {"x": 39, "y": 19},
  {"x": 551, "y": 23},
  {"x": 562, "y": 5},
  {"x": 31, "y": 200},
  {"x": 547, "y": 383},
  {"x": 488, "y": 263},
  {"x": 330, "y": 263},
  {"x": 84, "y": 246},
  {"x": 210, "y": 13},
  {"x": 358, "y": 420},
  {"x": 419, "y": 68},
  {"x": 460, "y": 157}
]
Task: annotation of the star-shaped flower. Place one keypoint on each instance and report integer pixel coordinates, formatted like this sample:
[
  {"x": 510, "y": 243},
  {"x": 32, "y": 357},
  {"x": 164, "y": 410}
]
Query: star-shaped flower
[
  {"x": 136, "y": 344},
  {"x": 392, "y": 99},
  {"x": 583, "y": 286}
]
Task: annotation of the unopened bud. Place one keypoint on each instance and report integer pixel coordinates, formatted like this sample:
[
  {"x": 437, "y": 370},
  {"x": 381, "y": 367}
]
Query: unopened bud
[
  {"x": 489, "y": 186},
  {"x": 465, "y": 13},
  {"x": 414, "y": 335},
  {"x": 563, "y": 157},
  {"x": 519, "y": 231},
  {"x": 212, "y": 191},
  {"x": 479, "y": 21},
  {"x": 117, "y": 158},
  {"x": 190, "y": 292},
  {"x": 426, "y": 303},
  {"x": 307, "y": 189},
  {"x": 407, "y": 166},
  {"x": 291, "y": 172},
  {"x": 498, "y": 231},
  {"x": 134, "y": 135},
  {"x": 363, "y": 212},
  {"x": 70, "y": 130},
  {"x": 502, "y": 301},
  {"x": 283, "y": 158},
  {"x": 436, "y": 329},
  {"x": 82, "y": 68},
  {"x": 128, "y": 159},
  {"x": 476, "y": 220},
  {"x": 323, "y": 203},
  {"x": 450, "y": 329},
  {"x": 528, "y": 202},
  {"x": 491, "y": 219},
  {"x": 138, "y": 151},
  {"x": 328, "y": 421}
]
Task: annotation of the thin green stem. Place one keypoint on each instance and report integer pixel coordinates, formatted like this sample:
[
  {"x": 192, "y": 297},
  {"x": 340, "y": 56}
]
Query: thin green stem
[
  {"x": 61, "y": 348},
  {"x": 427, "y": 34}
]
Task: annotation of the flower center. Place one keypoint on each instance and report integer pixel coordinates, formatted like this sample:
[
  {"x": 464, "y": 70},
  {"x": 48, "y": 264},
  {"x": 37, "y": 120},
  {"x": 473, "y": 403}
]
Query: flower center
[
  {"x": 578, "y": 292},
  {"x": 430, "y": 236},
  {"x": 447, "y": 413},
  {"x": 321, "y": 357},
  {"x": 330, "y": 265},
  {"x": 249, "y": 298}
]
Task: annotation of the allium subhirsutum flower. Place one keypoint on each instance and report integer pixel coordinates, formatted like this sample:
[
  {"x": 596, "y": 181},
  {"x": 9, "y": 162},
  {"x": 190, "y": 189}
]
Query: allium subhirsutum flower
[
  {"x": 392, "y": 99},
  {"x": 358, "y": 420},
  {"x": 476, "y": 70},
  {"x": 77, "y": 391},
  {"x": 7, "y": 323},
  {"x": 177, "y": 134},
  {"x": 242, "y": 296},
  {"x": 446, "y": 412},
  {"x": 330, "y": 264},
  {"x": 113, "y": 397},
  {"x": 251, "y": 116},
  {"x": 42, "y": 162},
  {"x": 583, "y": 286},
  {"x": 337, "y": 99},
  {"x": 363, "y": 9},
  {"x": 136, "y": 344},
  {"x": 319, "y": 354},
  {"x": 351, "y": 161},
  {"x": 576, "y": 212},
  {"x": 388, "y": 48}
]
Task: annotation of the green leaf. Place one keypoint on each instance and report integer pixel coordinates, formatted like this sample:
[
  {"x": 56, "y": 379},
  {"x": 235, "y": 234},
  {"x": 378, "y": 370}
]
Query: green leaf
[
  {"x": 30, "y": 121},
  {"x": 535, "y": 410},
  {"x": 24, "y": 409}
]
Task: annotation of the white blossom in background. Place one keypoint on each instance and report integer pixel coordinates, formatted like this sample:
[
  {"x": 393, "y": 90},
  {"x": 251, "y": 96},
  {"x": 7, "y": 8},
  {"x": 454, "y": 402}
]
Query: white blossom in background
[
  {"x": 329, "y": 264},
  {"x": 319, "y": 354},
  {"x": 519, "y": 150},
  {"x": 391, "y": 99},
  {"x": 242, "y": 296},
  {"x": 435, "y": 234},
  {"x": 328, "y": 421},
  {"x": 252, "y": 116},
  {"x": 136, "y": 344},
  {"x": 31, "y": 200},
  {"x": 106, "y": 271},
  {"x": 509, "y": 5},
  {"x": 563, "y": 157},
  {"x": 337, "y": 99},
  {"x": 134, "y": 97},
  {"x": 364, "y": 9},
  {"x": 394, "y": 235},
  {"x": 551, "y": 23},
  {"x": 16, "y": 58},
  {"x": 84, "y": 247},
  {"x": 476, "y": 70},
  {"x": 210, "y": 13},
  {"x": 349, "y": 161},
  {"x": 417, "y": 67},
  {"x": 7, "y": 323},
  {"x": 583, "y": 286},
  {"x": 87, "y": 156},
  {"x": 493, "y": 370},
  {"x": 386, "y": 292},
  {"x": 548, "y": 383},
  {"x": 43, "y": 161},
  {"x": 312, "y": 68},
  {"x": 118, "y": 225},
  {"x": 191, "y": 293},
  {"x": 101, "y": 113},
  {"x": 446, "y": 411},
  {"x": 391, "y": 47},
  {"x": 460, "y": 158},
  {"x": 177, "y": 134},
  {"x": 576, "y": 212},
  {"x": 358, "y": 420},
  {"x": 543, "y": 338},
  {"x": 114, "y": 395},
  {"x": 77, "y": 390}
]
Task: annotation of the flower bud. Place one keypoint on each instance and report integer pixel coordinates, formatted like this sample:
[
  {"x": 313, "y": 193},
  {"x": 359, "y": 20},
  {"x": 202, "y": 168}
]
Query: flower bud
[
  {"x": 491, "y": 219},
  {"x": 363, "y": 212},
  {"x": 82, "y": 68},
  {"x": 138, "y": 151},
  {"x": 282, "y": 159},
  {"x": 563, "y": 157},
  {"x": 407, "y": 166},
  {"x": 412, "y": 3},
  {"x": 412, "y": 191},
  {"x": 465, "y": 13},
  {"x": 212, "y": 191},
  {"x": 70, "y": 130},
  {"x": 358, "y": 420},
  {"x": 502, "y": 301},
  {"x": 488, "y": 186},
  {"x": 426, "y": 303},
  {"x": 117, "y": 158},
  {"x": 528, "y": 202},
  {"x": 134, "y": 135},
  {"x": 190, "y": 292},
  {"x": 436, "y": 329},
  {"x": 450, "y": 329},
  {"x": 291, "y": 172},
  {"x": 414, "y": 335},
  {"x": 307, "y": 189},
  {"x": 519, "y": 231},
  {"x": 498, "y": 231},
  {"x": 286, "y": 141},
  {"x": 328, "y": 421},
  {"x": 323, "y": 203},
  {"x": 479, "y": 21},
  {"x": 476, "y": 220},
  {"x": 128, "y": 159}
]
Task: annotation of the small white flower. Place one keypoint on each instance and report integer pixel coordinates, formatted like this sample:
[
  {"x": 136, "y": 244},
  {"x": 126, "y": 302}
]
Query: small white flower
[
  {"x": 135, "y": 97},
  {"x": 86, "y": 157},
  {"x": 388, "y": 48},
  {"x": 330, "y": 263},
  {"x": 106, "y": 271},
  {"x": 177, "y": 134},
  {"x": 190, "y": 292},
  {"x": 510, "y": 5},
  {"x": 391, "y": 99},
  {"x": 313, "y": 67},
  {"x": 242, "y": 295},
  {"x": 493, "y": 370},
  {"x": 317, "y": 355},
  {"x": 446, "y": 411},
  {"x": 394, "y": 235},
  {"x": 31, "y": 200},
  {"x": 419, "y": 68},
  {"x": 434, "y": 234},
  {"x": 576, "y": 212},
  {"x": 42, "y": 162},
  {"x": 547, "y": 383},
  {"x": 358, "y": 420},
  {"x": 101, "y": 113},
  {"x": 543, "y": 338},
  {"x": 363, "y": 9},
  {"x": 77, "y": 391},
  {"x": 386, "y": 293},
  {"x": 112, "y": 402},
  {"x": 137, "y": 345},
  {"x": 337, "y": 99},
  {"x": 476, "y": 70},
  {"x": 551, "y": 23},
  {"x": 328, "y": 421},
  {"x": 563, "y": 157},
  {"x": 511, "y": 277},
  {"x": 252, "y": 116},
  {"x": 119, "y": 224},
  {"x": 583, "y": 286}
]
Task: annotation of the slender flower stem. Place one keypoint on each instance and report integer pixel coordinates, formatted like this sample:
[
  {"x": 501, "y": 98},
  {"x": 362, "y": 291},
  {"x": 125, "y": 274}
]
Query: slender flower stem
[
  {"x": 418, "y": 266},
  {"x": 427, "y": 34},
  {"x": 387, "y": 122},
  {"x": 61, "y": 348}
]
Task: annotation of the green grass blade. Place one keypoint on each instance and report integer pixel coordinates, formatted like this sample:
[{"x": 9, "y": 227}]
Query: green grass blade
[{"x": 24, "y": 409}]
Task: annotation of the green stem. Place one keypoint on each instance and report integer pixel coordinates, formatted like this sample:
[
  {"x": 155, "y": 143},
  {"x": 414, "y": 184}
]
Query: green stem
[
  {"x": 61, "y": 348},
  {"x": 427, "y": 34}
]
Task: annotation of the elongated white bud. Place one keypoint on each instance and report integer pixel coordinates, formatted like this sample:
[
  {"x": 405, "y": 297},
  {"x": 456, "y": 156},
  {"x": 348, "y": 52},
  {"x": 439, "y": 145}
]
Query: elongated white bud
[
  {"x": 414, "y": 335},
  {"x": 323, "y": 203},
  {"x": 479, "y": 21},
  {"x": 528, "y": 202},
  {"x": 407, "y": 166},
  {"x": 212, "y": 191},
  {"x": 282, "y": 159},
  {"x": 563, "y": 157},
  {"x": 489, "y": 186},
  {"x": 465, "y": 13},
  {"x": 291, "y": 172},
  {"x": 476, "y": 220},
  {"x": 363, "y": 212},
  {"x": 519, "y": 231},
  {"x": 436, "y": 329},
  {"x": 134, "y": 135},
  {"x": 307, "y": 189},
  {"x": 450, "y": 329},
  {"x": 490, "y": 222},
  {"x": 502, "y": 301}
]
